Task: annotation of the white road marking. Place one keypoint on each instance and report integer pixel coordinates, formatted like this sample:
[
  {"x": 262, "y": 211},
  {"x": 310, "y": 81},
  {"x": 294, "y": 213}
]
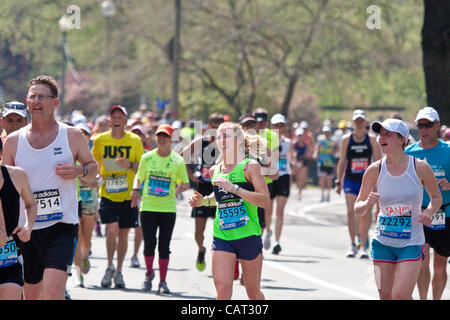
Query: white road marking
[{"x": 318, "y": 281}]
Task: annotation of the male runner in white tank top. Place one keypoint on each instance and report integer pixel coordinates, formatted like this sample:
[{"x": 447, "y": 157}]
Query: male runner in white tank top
[{"x": 47, "y": 151}]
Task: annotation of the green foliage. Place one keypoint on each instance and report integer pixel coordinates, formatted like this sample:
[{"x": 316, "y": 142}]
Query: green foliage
[{"x": 237, "y": 55}]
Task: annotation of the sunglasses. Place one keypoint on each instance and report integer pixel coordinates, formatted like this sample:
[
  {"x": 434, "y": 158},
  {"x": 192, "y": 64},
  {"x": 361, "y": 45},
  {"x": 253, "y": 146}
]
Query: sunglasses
[
  {"x": 427, "y": 125},
  {"x": 15, "y": 106}
]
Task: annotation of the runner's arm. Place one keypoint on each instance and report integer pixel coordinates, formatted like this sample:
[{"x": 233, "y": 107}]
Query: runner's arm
[
  {"x": 3, "y": 235},
  {"x": 341, "y": 164},
  {"x": 80, "y": 148},
  {"x": 10, "y": 149},
  {"x": 428, "y": 180},
  {"x": 24, "y": 233},
  {"x": 366, "y": 197},
  {"x": 135, "y": 192},
  {"x": 260, "y": 197}
]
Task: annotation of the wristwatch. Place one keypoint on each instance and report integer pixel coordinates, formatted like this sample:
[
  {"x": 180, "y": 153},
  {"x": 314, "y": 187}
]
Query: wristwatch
[{"x": 235, "y": 188}]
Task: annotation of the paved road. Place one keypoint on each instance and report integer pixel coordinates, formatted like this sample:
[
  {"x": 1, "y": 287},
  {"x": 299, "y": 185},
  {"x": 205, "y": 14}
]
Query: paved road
[{"x": 311, "y": 266}]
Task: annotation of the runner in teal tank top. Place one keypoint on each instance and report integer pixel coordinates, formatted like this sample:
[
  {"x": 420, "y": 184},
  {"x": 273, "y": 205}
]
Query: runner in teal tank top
[{"x": 239, "y": 188}]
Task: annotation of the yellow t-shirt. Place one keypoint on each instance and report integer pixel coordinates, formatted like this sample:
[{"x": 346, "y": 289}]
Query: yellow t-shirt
[{"x": 118, "y": 181}]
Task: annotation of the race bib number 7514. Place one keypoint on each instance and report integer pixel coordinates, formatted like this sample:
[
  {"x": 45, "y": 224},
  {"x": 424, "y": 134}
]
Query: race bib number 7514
[{"x": 49, "y": 205}]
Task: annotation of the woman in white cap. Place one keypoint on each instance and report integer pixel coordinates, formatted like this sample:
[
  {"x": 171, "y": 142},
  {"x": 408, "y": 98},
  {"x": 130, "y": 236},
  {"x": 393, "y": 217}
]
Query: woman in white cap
[{"x": 397, "y": 246}]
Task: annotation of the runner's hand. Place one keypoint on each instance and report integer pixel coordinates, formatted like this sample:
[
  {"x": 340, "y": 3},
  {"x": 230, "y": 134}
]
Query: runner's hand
[
  {"x": 23, "y": 233},
  {"x": 66, "y": 171},
  {"x": 225, "y": 184},
  {"x": 444, "y": 184},
  {"x": 123, "y": 162},
  {"x": 135, "y": 197},
  {"x": 373, "y": 198},
  {"x": 338, "y": 188},
  {"x": 196, "y": 200},
  {"x": 426, "y": 217}
]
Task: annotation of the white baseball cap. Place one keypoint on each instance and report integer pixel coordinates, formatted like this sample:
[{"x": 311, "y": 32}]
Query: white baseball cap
[
  {"x": 176, "y": 124},
  {"x": 278, "y": 118},
  {"x": 428, "y": 113},
  {"x": 326, "y": 128},
  {"x": 394, "y": 125},
  {"x": 83, "y": 126},
  {"x": 14, "y": 107},
  {"x": 358, "y": 113},
  {"x": 299, "y": 131}
]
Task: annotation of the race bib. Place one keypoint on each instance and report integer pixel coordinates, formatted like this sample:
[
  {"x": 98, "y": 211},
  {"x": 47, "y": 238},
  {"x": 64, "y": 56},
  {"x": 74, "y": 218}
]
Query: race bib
[
  {"x": 158, "y": 186},
  {"x": 86, "y": 195},
  {"x": 395, "y": 221},
  {"x": 116, "y": 184},
  {"x": 49, "y": 205},
  {"x": 282, "y": 164},
  {"x": 359, "y": 165},
  {"x": 232, "y": 214},
  {"x": 8, "y": 253},
  {"x": 205, "y": 173},
  {"x": 438, "y": 222}
]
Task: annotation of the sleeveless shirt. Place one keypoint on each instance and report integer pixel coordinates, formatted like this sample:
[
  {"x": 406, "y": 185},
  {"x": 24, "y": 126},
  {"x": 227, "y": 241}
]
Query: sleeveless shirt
[
  {"x": 56, "y": 197},
  {"x": 400, "y": 200}
]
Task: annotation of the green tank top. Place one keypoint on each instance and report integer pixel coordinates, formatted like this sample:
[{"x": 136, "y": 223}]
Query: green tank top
[{"x": 235, "y": 217}]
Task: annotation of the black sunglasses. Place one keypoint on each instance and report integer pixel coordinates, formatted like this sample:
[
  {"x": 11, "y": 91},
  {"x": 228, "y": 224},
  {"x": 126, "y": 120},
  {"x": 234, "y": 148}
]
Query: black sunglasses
[{"x": 427, "y": 125}]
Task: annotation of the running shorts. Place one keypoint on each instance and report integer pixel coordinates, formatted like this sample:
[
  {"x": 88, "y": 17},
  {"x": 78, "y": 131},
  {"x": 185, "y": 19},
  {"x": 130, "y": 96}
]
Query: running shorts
[
  {"x": 281, "y": 186},
  {"x": 352, "y": 186},
  {"x": 203, "y": 212},
  {"x": 439, "y": 240},
  {"x": 323, "y": 171},
  {"x": 52, "y": 247},
  {"x": 383, "y": 253},
  {"x": 246, "y": 248},
  {"x": 12, "y": 274},
  {"x": 120, "y": 212}
]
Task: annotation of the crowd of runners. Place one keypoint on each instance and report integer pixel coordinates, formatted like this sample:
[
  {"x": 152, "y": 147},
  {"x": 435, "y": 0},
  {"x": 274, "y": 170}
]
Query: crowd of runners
[{"x": 61, "y": 181}]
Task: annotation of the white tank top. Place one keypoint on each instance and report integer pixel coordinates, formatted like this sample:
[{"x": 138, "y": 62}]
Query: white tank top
[
  {"x": 400, "y": 207},
  {"x": 283, "y": 163},
  {"x": 56, "y": 198}
]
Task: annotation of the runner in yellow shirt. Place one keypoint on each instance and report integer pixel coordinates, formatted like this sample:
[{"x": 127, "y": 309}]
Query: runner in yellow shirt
[{"x": 118, "y": 153}]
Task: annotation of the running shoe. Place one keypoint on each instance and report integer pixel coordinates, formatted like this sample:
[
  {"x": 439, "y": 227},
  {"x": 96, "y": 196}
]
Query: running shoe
[
  {"x": 107, "y": 278},
  {"x": 66, "y": 295},
  {"x": 276, "y": 249},
  {"x": 98, "y": 229},
  {"x": 147, "y": 286},
  {"x": 162, "y": 288},
  {"x": 352, "y": 251},
  {"x": 85, "y": 266},
  {"x": 201, "y": 265},
  {"x": 135, "y": 262},
  {"x": 266, "y": 243},
  {"x": 118, "y": 280},
  {"x": 364, "y": 254},
  {"x": 81, "y": 281}
]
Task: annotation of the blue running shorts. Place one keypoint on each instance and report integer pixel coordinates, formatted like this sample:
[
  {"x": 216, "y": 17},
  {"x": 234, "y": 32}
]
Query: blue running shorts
[
  {"x": 383, "y": 253},
  {"x": 352, "y": 186},
  {"x": 246, "y": 248}
]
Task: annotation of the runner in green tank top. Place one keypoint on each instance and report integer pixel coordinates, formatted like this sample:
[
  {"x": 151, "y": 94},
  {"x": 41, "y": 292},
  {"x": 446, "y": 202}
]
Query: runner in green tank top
[{"x": 239, "y": 188}]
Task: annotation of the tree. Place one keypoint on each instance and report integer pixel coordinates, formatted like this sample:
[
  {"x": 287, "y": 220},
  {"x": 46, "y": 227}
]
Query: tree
[{"x": 436, "y": 56}]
